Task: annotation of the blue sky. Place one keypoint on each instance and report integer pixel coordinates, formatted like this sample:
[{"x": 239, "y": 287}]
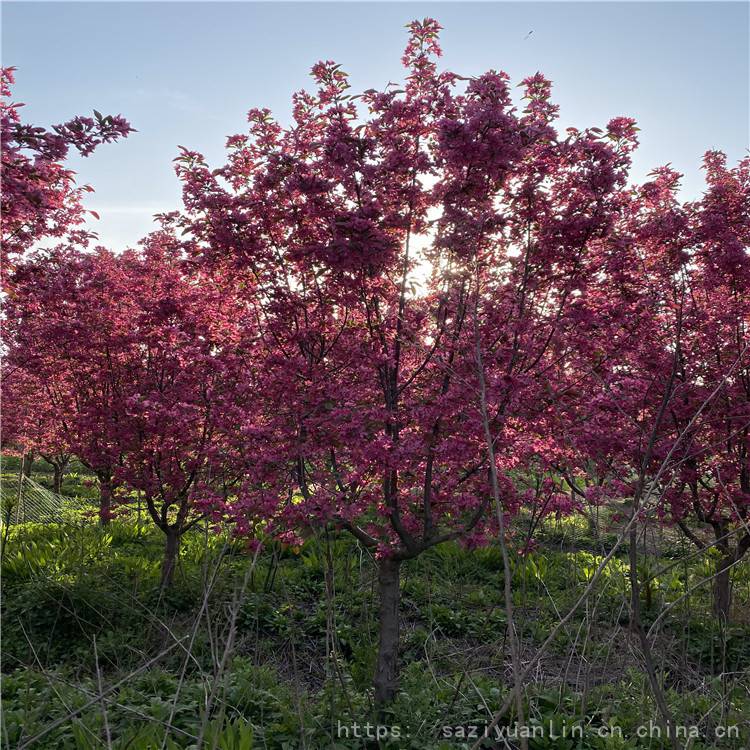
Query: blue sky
[{"x": 186, "y": 73}]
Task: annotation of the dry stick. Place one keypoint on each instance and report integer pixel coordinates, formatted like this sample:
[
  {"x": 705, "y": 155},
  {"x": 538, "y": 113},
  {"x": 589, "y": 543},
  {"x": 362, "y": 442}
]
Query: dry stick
[
  {"x": 427, "y": 655},
  {"x": 206, "y": 575},
  {"x": 151, "y": 614},
  {"x": 605, "y": 560},
  {"x": 635, "y": 592},
  {"x": 744, "y": 526},
  {"x": 695, "y": 553},
  {"x": 330, "y": 585},
  {"x": 59, "y": 722},
  {"x": 239, "y": 596},
  {"x": 48, "y": 678},
  {"x": 637, "y": 625},
  {"x": 574, "y": 647},
  {"x": 297, "y": 702},
  {"x": 609, "y": 641},
  {"x": 507, "y": 573},
  {"x": 193, "y": 634},
  {"x": 116, "y": 704},
  {"x": 456, "y": 693},
  {"x": 105, "y": 718},
  {"x": 479, "y": 693},
  {"x": 687, "y": 593}
]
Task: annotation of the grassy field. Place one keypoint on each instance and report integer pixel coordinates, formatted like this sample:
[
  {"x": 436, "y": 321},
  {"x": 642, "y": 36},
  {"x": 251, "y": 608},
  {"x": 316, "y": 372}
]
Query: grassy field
[{"x": 277, "y": 651}]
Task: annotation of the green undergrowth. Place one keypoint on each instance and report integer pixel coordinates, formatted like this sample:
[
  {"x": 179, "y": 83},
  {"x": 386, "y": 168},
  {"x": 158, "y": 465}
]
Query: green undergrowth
[{"x": 82, "y": 608}]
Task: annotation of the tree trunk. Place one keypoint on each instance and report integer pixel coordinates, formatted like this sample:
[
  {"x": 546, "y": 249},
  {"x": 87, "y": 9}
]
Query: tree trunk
[
  {"x": 386, "y": 668},
  {"x": 27, "y": 464},
  {"x": 593, "y": 525},
  {"x": 723, "y": 588},
  {"x": 169, "y": 563},
  {"x": 105, "y": 500},
  {"x": 58, "y": 468},
  {"x": 59, "y": 463}
]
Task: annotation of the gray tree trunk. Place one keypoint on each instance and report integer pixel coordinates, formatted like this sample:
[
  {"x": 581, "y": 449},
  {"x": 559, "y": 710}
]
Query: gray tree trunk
[
  {"x": 386, "y": 667},
  {"x": 169, "y": 563}
]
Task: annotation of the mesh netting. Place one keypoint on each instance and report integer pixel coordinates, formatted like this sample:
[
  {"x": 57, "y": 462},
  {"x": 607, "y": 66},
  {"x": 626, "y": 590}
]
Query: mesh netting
[{"x": 22, "y": 500}]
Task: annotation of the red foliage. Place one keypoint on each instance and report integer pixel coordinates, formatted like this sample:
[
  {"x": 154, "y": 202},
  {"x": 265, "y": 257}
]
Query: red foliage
[{"x": 39, "y": 194}]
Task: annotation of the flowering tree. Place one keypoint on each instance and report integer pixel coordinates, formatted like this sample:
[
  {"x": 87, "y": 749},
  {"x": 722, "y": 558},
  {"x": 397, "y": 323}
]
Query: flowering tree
[
  {"x": 389, "y": 251},
  {"x": 711, "y": 487},
  {"x": 617, "y": 423},
  {"x": 40, "y": 200},
  {"x": 39, "y": 194},
  {"x": 144, "y": 380},
  {"x": 33, "y": 424},
  {"x": 179, "y": 408},
  {"x": 67, "y": 329},
  {"x": 667, "y": 418},
  {"x": 406, "y": 308}
]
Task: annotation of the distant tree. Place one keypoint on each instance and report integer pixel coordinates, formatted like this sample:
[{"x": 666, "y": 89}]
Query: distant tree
[
  {"x": 33, "y": 424},
  {"x": 137, "y": 352},
  {"x": 667, "y": 415},
  {"x": 68, "y": 316},
  {"x": 179, "y": 410},
  {"x": 711, "y": 488}
]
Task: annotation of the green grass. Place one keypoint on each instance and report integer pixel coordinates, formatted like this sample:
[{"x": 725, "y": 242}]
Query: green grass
[{"x": 81, "y": 604}]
